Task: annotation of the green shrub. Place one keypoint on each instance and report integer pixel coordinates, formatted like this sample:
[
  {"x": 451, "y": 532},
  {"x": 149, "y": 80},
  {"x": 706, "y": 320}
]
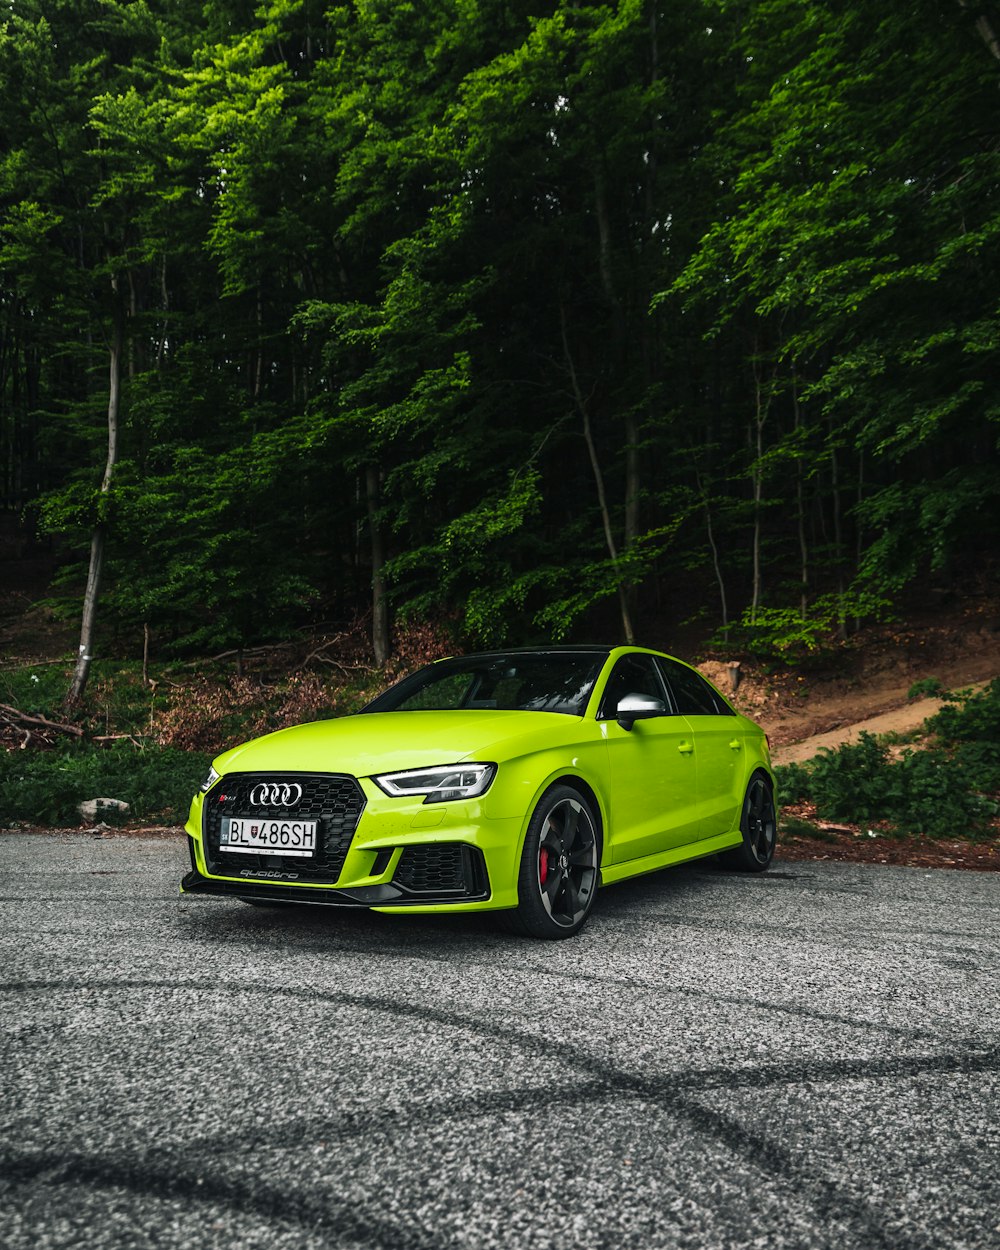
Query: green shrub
[
  {"x": 937, "y": 793},
  {"x": 969, "y": 716},
  {"x": 793, "y": 782},
  {"x": 37, "y": 689},
  {"x": 926, "y": 688},
  {"x": 44, "y": 787},
  {"x": 979, "y": 762}
]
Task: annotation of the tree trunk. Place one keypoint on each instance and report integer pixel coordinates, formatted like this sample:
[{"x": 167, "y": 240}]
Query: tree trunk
[
  {"x": 757, "y": 477},
  {"x": 838, "y": 541},
  {"x": 986, "y": 31},
  {"x": 99, "y": 535},
  {"x": 714, "y": 548},
  {"x": 800, "y": 505},
  {"x": 602, "y": 498},
  {"x": 632, "y": 478},
  {"x": 380, "y": 606}
]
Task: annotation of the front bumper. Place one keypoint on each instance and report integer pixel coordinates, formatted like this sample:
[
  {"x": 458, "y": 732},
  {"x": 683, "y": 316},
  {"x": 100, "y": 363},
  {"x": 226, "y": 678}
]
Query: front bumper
[
  {"x": 470, "y": 886},
  {"x": 403, "y": 855}
]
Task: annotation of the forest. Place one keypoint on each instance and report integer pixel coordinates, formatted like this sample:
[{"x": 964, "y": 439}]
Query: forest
[{"x": 549, "y": 320}]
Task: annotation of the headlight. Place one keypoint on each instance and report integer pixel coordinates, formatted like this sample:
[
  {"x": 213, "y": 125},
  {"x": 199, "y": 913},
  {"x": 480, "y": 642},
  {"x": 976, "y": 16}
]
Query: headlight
[
  {"x": 450, "y": 781},
  {"x": 210, "y": 780}
]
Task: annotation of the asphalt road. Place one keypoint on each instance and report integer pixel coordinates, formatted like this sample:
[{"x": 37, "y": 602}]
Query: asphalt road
[{"x": 800, "y": 1060}]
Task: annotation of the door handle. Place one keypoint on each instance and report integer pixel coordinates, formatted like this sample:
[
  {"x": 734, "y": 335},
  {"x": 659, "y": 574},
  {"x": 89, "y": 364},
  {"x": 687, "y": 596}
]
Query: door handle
[
  {"x": 685, "y": 748},
  {"x": 736, "y": 744}
]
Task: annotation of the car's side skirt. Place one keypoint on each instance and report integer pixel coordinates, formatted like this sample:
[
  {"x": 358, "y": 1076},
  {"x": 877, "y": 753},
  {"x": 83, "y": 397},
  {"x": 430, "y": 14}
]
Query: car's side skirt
[{"x": 613, "y": 873}]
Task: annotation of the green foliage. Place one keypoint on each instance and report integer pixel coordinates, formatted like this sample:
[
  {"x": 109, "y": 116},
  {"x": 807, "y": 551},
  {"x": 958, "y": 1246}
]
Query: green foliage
[
  {"x": 794, "y": 782},
  {"x": 37, "y": 689},
  {"x": 978, "y": 763},
  {"x": 45, "y": 787},
  {"x": 751, "y": 248},
  {"x": 926, "y": 688},
  {"x": 969, "y": 716},
  {"x": 779, "y": 633},
  {"x": 788, "y": 635},
  {"x": 933, "y": 792}
]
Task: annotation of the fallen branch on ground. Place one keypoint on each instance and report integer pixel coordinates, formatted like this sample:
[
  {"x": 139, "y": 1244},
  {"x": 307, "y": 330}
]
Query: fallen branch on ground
[{"x": 22, "y": 720}]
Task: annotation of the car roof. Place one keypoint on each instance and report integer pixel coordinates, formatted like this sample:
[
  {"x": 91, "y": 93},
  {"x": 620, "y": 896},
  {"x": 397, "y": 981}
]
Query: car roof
[{"x": 595, "y": 649}]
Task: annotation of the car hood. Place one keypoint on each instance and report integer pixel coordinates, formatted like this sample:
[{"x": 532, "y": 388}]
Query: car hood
[{"x": 378, "y": 742}]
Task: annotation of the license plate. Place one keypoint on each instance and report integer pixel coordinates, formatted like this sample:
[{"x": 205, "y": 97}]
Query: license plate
[{"x": 252, "y": 835}]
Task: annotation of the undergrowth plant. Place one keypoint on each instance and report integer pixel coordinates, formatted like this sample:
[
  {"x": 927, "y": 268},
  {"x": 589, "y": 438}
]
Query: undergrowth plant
[
  {"x": 149, "y": 742},
  {"x": 45, "y": 787},
  {"x": 950, "y": 788}
]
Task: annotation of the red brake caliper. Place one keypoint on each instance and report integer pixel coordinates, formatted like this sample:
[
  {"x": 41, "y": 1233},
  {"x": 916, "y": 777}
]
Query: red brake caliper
[{"x": 543, "y": 865}]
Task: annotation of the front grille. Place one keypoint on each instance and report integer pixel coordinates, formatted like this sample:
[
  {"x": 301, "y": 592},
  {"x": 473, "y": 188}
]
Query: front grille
[
  {"x": 335, "y": 800},
  {"x": 441, "y": 868}
]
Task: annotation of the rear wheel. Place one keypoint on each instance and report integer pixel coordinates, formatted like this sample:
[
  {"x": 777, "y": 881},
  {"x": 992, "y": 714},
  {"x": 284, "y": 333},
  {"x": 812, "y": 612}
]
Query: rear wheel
[
  {"x": 560, "y": 867},
  {"x": 758, "y": 824}
]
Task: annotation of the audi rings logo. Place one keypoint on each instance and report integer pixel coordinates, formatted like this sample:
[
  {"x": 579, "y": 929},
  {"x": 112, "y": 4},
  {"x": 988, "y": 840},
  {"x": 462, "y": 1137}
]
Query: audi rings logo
[{"x": 276, "y": 794}]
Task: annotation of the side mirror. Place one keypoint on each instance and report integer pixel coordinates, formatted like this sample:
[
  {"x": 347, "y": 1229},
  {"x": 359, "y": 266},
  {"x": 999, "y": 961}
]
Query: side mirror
[{"x": 633, "y": 707}]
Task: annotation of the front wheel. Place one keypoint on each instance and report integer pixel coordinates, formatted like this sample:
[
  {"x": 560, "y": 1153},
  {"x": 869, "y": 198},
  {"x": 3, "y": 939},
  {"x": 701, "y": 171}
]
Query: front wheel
[
  {"x": 560, "y": 867},
  {"x": 758, "y": 824}
]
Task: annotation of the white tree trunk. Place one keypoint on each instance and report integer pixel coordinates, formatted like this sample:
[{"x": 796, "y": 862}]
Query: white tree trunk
[{"x": 99, "y": 534}]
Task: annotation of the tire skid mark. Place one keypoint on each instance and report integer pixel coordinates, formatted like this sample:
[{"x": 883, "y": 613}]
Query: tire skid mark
[
  {"x": 339, "y": 1216},
  {"x": 170, "y": 1179},
  {"x": 831, "y": 936},
  {"x": 722, "y": 1077},
  {"x": 736, "y": 1000},
  {"x": 662, "y": 990},
  {"x": 676, "y": 1093},
  {"x": 350, "y": 1125},
  {"x": 860, "y": 1221}
]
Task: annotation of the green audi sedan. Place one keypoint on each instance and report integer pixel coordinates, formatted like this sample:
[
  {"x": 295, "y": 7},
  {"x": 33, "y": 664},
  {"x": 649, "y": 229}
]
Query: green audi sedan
[{"x": 514, "y": 781}]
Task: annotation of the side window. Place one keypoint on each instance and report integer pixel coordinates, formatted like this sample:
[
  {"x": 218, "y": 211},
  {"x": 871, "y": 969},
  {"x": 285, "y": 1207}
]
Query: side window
[
  {"x": 692, "y": 694},
  {"x": 633, "y": 674}
]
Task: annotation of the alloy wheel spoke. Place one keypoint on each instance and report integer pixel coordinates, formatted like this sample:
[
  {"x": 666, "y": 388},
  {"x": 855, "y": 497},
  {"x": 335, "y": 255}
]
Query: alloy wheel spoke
[
  {"x": 571, "y": 823},
  {"x": 583, "y": 854},
  {"x": 571, "y": 900},
  {"x": 553, "y": 885},
  {"x": 551, "y": 838}
]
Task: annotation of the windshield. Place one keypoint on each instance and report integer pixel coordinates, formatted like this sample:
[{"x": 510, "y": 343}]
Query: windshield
[{"x": 550, "y": 681}]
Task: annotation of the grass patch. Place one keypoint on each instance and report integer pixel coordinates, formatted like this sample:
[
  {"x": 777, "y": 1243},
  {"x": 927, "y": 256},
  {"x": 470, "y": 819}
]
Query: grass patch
[{"x": 45, "y": 787}]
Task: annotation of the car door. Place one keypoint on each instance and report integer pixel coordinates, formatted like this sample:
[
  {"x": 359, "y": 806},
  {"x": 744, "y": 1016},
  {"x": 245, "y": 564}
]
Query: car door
[
  {"x": 718, "y": 747},
  {"x": 652, "y": 768}
]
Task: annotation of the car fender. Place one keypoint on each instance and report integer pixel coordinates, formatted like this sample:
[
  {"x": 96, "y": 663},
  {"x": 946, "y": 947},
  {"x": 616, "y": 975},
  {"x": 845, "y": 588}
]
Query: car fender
[{"x": 534, "y": 775}]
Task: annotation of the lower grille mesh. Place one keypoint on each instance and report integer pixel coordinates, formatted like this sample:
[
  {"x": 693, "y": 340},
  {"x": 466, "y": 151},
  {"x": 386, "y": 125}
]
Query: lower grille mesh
[{"x": 433, "y": 869}]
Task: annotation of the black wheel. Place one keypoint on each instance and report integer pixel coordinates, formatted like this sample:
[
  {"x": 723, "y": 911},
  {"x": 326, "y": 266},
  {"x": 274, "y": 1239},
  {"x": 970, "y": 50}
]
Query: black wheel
[
  {"x": 758, "y": 824},
  {"x": 560, "y": 867}
]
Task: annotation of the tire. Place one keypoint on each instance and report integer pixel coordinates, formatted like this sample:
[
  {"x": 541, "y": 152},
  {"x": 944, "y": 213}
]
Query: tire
[
  {"x": 759, "y": 825},
  {"x": 560, "y": 867}
]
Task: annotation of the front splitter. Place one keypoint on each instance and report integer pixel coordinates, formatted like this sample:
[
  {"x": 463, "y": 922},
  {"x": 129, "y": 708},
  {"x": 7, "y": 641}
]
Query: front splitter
[{"x": 322, "y": 896}]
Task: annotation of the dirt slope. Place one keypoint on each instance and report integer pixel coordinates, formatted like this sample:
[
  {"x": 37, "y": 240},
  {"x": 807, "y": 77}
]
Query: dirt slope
[
  {"x": 828, "y": 702},
  {"x": 910, "y": 715}
]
